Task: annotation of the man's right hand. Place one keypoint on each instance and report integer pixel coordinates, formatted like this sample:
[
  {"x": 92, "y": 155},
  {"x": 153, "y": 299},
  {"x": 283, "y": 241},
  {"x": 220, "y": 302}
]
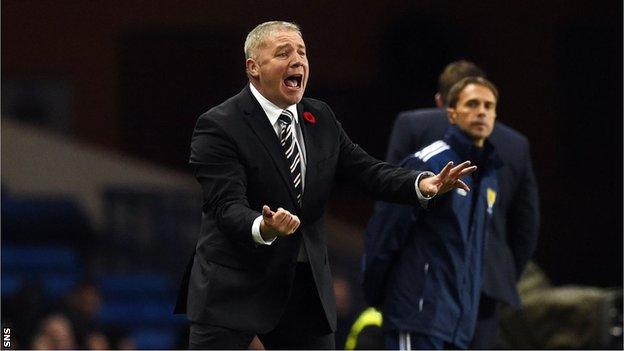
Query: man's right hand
[{"x": 278, "y": 223}]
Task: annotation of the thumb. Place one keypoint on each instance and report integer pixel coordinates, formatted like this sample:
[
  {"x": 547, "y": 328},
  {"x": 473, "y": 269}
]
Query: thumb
[{"x": 266, "y": 212}]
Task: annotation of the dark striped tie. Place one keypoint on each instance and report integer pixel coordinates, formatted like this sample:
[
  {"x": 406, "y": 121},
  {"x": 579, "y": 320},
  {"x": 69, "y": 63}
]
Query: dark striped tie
[{"x": 291, "y": 150}]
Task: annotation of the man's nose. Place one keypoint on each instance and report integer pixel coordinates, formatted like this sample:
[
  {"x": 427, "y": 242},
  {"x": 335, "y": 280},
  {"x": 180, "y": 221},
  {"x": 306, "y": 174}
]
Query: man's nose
[
  {"x": 482, "y": 111},
  {"x": 297, "y": 61}
]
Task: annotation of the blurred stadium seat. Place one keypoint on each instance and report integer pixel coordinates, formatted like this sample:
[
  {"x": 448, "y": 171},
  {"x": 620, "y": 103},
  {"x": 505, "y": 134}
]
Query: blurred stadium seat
[
  {"x": 136, "y": 284},
  {"x": 144, "y": 298},
  {"x": 151, "y": 339},
  {"x": 54, "y": 221},
  {"x": 55, "y": 268},
  {"x": 33, "y": 260},
  {"x": 10, "y": 284}
]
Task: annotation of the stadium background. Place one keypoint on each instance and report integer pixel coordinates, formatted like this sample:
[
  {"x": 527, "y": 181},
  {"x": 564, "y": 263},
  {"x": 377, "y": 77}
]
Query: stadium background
[{"x": 125, "y": 81}]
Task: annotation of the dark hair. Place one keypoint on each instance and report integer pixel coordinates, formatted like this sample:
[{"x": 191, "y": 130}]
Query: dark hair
[
  {"x": 453, "y": 73},
  {"x": 457, "y": 88}
]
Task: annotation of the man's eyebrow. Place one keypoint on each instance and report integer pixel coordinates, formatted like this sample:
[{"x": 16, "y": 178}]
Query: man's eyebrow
[
  {"x": 480, "y": 99},
  {"x": 283, "y": 46},
  {"x": 280, "y": 47}
]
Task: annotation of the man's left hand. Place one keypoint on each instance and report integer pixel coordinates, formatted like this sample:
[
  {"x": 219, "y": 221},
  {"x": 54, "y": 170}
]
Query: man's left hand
[{"x": 447, "y": 179}]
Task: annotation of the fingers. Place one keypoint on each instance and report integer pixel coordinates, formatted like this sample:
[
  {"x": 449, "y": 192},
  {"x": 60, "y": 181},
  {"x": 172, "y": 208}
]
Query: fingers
[
  {"x": 462, "y": 169},
  {"x": 455, "y": 171},
  {"x": 266, "y": 212},
  {"x": 462, "y": 185},
  {"x": 282, "y": 221},
  {"x": 296, "y": 223},
  {"x": 280, "y": 217},
  {"x": 292, "y": 224},
  {"x": 463, "y": 165},
  {"x": 467, "y": 171},
  {"x": 445, "y": 171},
  {"x": 448, "y": 178}
]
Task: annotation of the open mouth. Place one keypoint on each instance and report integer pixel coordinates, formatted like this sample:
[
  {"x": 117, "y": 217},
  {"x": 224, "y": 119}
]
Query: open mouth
[{"x": 293, "y": 81}]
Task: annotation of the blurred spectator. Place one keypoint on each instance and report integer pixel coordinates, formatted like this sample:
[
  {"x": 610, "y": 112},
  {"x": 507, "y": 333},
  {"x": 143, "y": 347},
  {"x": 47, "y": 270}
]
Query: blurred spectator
[
  {"x": 344, "y": 314},
  {"x": 24, "y": 310},
  {"x": 120, "y": 338},
  {"x": 55, "y": 333},
  {"x": 82, "y": 305},
  {"x": 126, "y": 342},
  {"x": 256, "y": 344},
  {"x": 96, "y": 341}
]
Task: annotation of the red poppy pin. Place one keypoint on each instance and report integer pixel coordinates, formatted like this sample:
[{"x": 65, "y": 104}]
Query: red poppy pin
[{"x": 309, "y": 117}]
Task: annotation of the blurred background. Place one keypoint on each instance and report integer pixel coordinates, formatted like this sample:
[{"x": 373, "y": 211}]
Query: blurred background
[{"x": 100, "y": 211}]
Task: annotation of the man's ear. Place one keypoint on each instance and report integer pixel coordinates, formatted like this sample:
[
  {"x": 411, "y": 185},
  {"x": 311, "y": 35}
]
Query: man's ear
[
  {"x": 438, "y": 100},
  {"x": 451, "y": 114},
  {"x": 252, "y": 68}
]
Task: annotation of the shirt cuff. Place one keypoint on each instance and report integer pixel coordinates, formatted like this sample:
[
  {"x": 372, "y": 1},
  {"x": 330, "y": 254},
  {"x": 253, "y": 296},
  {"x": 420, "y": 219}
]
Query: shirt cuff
[
  {"x": 424, "y": 200},
  {"x": 255, "y": 233}
]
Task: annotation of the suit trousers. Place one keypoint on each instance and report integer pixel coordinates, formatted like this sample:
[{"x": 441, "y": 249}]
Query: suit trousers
[{"x": 303, "y": 324}]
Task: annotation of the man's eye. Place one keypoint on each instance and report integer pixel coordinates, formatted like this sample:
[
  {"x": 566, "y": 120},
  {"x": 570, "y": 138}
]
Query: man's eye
[
  {"x": 471, "y": 103},
  {"x": 281, "y": 54},
  {"x": 302, "y": 53}
]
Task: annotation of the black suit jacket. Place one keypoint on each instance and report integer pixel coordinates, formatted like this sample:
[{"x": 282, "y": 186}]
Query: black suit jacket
[
  {"x": 238, "y": 160},
  {"x": 516, "y": 220}
]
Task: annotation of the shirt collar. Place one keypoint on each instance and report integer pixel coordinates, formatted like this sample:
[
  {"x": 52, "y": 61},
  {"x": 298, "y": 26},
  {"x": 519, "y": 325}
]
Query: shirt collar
[{"x": 271, "y": 110}]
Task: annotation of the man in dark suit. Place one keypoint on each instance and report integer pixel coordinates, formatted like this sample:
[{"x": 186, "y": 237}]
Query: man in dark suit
[
  {"x": 266, "y": 160},
  {"x": 516, "y": 220}
]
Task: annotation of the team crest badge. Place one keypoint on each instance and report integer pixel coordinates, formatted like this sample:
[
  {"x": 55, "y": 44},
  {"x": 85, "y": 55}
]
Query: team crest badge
[{"x": 491, "y": 199}]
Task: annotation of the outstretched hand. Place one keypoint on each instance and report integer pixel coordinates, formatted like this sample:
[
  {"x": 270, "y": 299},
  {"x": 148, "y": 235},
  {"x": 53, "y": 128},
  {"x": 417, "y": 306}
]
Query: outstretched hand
[
  {"x": 278, "y": 223},
  {"x": 447, "y": 179}
]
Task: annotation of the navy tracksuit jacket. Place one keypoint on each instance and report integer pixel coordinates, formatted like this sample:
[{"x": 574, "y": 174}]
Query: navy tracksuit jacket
[{"x": 424, "y": 268}]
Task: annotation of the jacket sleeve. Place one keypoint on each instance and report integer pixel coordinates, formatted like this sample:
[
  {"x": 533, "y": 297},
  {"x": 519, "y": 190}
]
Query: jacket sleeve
[
  {"x": 223, "y": 179},
  {"x": 386, "y": 234},
  {"x": 380, "y": 179},
  {"x": 400, "y": 144},
  {"x": 523, "y": 221}
]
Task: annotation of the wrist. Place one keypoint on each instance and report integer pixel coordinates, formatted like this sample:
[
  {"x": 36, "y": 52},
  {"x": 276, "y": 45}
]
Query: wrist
[
  {"x": 425, "y": 190},
  {"x": 266, "y": 232},
  {"x": 423, "y": 199}
]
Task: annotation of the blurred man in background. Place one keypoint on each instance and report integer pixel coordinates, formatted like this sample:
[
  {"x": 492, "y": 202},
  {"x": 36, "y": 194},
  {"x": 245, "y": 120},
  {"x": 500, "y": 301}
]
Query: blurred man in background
[
  {"x": 55, "y": 333},
  {"x": 424, "y": 268},
  {"x": 516, "y": 218}
]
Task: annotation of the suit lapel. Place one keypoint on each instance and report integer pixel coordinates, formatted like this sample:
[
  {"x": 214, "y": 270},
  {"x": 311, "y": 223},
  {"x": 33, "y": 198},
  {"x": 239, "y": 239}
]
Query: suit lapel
[
  {"x": 259, "y": 123},
  {"x": 311, "y": 153}
]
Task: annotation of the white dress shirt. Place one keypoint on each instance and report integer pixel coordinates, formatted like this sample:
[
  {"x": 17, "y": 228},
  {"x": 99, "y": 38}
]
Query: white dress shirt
[{"x": 273, "y": 112}]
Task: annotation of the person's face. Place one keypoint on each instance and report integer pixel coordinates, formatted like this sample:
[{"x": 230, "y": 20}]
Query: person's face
[
  {"x": 475, "y": 112},
  {"x": 279, "y": 69}
]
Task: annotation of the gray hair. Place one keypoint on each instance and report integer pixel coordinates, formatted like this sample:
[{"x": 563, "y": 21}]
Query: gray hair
[{"x": 262, "y": 31}]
